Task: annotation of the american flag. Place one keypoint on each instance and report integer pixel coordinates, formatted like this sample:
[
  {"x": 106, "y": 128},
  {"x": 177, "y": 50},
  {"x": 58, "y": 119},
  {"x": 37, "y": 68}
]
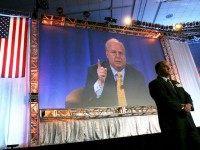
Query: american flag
[{"x": 13, "y": 46}]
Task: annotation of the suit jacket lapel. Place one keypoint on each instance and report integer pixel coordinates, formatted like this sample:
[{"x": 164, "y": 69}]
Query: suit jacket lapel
[
  {"x": 126, "y": 78},
  {"x": 110, "y": 77},
  {"x": 168, "y": 85}
]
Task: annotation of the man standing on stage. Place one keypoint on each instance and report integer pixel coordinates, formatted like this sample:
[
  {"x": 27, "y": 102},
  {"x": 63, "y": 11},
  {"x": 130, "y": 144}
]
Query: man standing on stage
[{"x": 174, "y": 105}]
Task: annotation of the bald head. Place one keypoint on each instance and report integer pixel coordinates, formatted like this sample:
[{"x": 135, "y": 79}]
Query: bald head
[
  {"x": 115, "y": 53},
  {"x": 163, "y": 68},
  {"x": 113, "y": 41}
]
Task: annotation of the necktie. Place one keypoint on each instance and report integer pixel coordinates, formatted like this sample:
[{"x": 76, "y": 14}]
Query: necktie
[
  {"x": 120, "y": 91},
  {"x": 168, "y": 81}
]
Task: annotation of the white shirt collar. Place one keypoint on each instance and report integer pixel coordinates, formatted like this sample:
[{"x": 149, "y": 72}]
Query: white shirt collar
[
  {"x": 115, "y": 72},
  {"x": 165, "y": 78}
]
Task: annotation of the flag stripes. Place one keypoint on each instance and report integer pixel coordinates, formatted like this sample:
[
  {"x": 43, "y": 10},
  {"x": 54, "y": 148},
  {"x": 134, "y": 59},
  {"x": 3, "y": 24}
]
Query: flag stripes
[{"x": 13, "y": 49}]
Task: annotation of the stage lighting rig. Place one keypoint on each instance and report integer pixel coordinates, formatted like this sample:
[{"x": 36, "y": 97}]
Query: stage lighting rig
[
  {"x": 60, "y": 11},
  {"x": 86, "y": 15},
  {"x": 110, "y": 20},
  {"x": 42, "y": 4}
]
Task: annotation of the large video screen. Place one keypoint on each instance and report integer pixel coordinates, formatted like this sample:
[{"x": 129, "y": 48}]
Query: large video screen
[
  {"x": 195, "y": 51},
  {"x": 68, "y": 59}
]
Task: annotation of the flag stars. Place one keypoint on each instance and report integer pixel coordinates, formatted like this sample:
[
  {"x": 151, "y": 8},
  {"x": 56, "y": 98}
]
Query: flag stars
[{"x": 4, "y": 26}]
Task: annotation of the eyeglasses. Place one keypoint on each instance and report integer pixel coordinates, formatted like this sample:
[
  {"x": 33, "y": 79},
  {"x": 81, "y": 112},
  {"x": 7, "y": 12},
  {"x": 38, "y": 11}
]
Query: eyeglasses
[{"x": 116, "y": 53}]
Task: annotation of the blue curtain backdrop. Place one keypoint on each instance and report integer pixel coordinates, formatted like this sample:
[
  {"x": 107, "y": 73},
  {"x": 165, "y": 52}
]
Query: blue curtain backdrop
[{"x": 65, "y": 54}]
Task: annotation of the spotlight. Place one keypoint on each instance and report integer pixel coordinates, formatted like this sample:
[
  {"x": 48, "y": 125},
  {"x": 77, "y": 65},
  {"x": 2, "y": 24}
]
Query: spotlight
[
  {"x": 167, "y": 28},
  {"x": 138, "y": 22},
  {"x": 178, "y": 27},
  {"x": 86, "y": 15},
  {"x": 147, "y": 24},
  {"x": 197, "y": 23},
  {"x": 43, "y": 4},
  {"x": 34, "y": 14},
  {"x": 143, "y": 24},
  {"x": 190, "y": 37},
  {"x": 170, "y": 27},
  {"x": 162, "y": 27},
  {"x": 110, "y": 20},
  {"x": 157, "y": 26},
  {"x": 187, "y": 24},
  {"x": 60, "y": 11},
  {"x": 127, "y": 21},
  {"x": 153, "y": 25}
]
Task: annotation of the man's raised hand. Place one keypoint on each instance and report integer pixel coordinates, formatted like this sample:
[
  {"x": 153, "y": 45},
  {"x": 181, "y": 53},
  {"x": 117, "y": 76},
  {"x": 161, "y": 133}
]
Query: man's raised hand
[{"x": 101, "y": 72}]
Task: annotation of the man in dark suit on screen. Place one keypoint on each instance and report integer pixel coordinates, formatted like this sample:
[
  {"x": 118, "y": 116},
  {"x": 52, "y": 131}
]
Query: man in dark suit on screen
[
  {"x": 101, "y": 88},
  {"x": 174, "y": 105}
]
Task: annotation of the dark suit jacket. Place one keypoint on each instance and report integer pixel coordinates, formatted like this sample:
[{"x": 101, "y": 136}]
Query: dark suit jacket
[
  {"x": 168, "y": 100},
  {"x": 135, "y": 89}
]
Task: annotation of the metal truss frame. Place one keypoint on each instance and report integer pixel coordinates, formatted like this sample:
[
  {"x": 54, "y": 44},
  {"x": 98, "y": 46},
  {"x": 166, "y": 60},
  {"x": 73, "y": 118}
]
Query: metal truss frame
[
  {"x": 34, "y": 103},
  {"x": 128, "y": 30},
  {"x": 168, "y": 54},
  {"x": 36, "y": 114}
]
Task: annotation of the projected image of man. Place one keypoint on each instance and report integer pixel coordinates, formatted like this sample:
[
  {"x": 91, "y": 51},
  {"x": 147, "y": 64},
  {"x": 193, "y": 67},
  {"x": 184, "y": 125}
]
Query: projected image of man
[{"x": 114, "y": 82}]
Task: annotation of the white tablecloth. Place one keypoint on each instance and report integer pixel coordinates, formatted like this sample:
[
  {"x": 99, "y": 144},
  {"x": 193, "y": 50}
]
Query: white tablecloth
[{"x": 68, "y": 131}]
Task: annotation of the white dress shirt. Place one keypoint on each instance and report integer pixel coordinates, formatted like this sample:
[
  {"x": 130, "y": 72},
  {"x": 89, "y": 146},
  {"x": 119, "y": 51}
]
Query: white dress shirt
[
  {"x": 169, "y": 81},
  {"x": 98, "y": 89},
  {"x": 165, "y": 78}
]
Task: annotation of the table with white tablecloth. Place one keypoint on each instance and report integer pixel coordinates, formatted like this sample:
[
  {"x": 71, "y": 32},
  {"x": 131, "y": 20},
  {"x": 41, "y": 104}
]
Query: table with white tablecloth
[{"x": 57, "y": 131}]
